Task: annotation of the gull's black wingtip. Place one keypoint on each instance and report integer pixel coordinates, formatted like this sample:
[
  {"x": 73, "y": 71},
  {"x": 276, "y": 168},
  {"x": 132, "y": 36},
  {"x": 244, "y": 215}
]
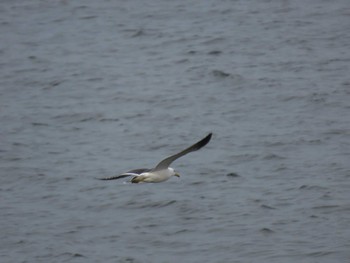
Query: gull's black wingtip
[
  {"x": 208, "y": 137},
  {"x": 204, "y": 141}
]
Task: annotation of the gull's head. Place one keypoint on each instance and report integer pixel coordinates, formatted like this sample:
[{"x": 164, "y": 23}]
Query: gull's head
[{"x": 174, "y": 173}]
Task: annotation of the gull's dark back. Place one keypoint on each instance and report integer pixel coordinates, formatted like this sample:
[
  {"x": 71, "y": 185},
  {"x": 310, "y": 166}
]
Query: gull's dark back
[{"x": 164, "y": 164}]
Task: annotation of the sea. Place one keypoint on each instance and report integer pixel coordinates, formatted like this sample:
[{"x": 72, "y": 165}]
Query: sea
[{"x": 90, "y": 89}]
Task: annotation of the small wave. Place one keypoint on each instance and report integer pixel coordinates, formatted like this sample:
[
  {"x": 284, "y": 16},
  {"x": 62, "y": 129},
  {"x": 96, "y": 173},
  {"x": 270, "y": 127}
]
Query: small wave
[
  {"x": 320, "y": 253},
  {"x": 266, "y": 230},
  {"x": 326, "y": 207},
  {"x": 220, "y": 74},
  {"x": 215, "y": 52},
  {"x": 233, "y": 175},
  {"x": 267, "y": 207},
  {"x": 162, "y": 203},
  {"x": 72, "y": 255},
  {"x": 311, "y": 187},
  {"x": 148, "y": 204},
  {"x": 78, "y": 117},
  {"x": 272, "y": 156},
  {"x": 39, "y": 124}
]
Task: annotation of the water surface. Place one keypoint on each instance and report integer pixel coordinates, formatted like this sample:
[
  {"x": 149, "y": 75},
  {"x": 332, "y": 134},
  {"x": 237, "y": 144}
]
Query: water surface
[{"x": 92, "y": 88}]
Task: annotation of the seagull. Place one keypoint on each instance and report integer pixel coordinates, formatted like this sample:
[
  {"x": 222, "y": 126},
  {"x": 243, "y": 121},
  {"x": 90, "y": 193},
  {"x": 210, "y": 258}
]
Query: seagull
[{"x": 162, "y": 171}]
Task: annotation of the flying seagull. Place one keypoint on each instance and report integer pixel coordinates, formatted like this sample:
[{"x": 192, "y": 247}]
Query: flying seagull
[{"x": 162, "y": 171}]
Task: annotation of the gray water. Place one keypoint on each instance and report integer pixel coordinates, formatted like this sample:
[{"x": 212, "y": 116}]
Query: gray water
[{"x": 90, "y": 89}]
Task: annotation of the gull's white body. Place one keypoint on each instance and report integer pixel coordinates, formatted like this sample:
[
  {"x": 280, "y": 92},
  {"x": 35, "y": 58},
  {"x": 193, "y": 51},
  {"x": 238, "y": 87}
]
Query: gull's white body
[{"x": 155, "y": 177}]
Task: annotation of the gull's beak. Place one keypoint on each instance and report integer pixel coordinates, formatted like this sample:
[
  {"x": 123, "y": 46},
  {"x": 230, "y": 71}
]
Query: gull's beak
[{"x": 177, "y": 175}]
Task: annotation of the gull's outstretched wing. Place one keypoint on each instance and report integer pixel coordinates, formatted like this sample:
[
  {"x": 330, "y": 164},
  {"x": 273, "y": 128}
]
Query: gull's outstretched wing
[
  {"x": 164, "y": 164},
  {"x": 135, "y": 172}
]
